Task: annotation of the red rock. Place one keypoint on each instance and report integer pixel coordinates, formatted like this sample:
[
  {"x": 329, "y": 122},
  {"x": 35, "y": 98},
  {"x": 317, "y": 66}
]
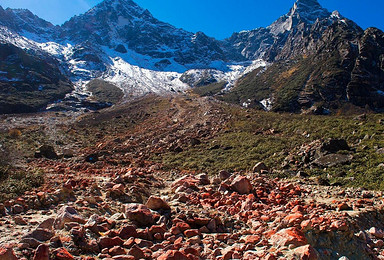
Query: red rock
[
  {"x": 158, "y": 236},
  {"x": 140, "y": 214},
  {"x": 142, "y": 243},
  {"x": 40, "y": 234},
  {"x": 173, "y": 255},
  {"x": 127, "y": 232},
  {"x": 123, "y": 257},
  {"x": 223, "y": 175},
  {"x": 294, "y": 218},
  {"x": 186, "y": 181},
  {"x": 190, "y": 251},
  {"x": 117, "y": 250},
  {"x": 118, "y": 187},
  {"x": 306, "y": 225},
  {"x": 157, "y": 229},
  {"x": 251, "y": 239},
  {"x": 339, "y": 225},
  {"x": 182, "y": 226},
  {"x": 41, "y": 253},
  {"x": 62, "y": 254},
  {"x": 157, "y": 203},
  {"x": 7, "y": 254},
  {"x": 191, "y": 233},
  {"x": 107, "y": 242},
  {"x": 136, "y": 252},
  {"x": 289, "y": 236},
  {"x": 306, "y": 252},
  {"x": 343, "y": 206},
  {"x": 242, "y": 185},
  {"x": 20, "y": 221}
]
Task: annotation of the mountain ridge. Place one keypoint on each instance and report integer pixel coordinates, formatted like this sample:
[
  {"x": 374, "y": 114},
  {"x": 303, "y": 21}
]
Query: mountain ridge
[{"x": 118, "y": 41}]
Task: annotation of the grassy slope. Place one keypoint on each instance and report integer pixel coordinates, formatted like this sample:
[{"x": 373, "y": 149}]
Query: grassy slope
[
  {"x": 254, "y": 136},
  {"x": 243, "y": 138}
]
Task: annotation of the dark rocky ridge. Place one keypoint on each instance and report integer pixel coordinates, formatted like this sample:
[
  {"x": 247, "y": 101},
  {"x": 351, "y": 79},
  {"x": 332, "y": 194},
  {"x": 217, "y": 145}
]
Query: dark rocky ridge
[{"x": 28, "y": 82}]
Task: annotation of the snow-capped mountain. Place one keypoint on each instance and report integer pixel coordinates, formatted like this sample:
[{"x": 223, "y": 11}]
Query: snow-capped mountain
[
  {"x": 122, "y": 43},
  {"x": 318, "y": 59}
]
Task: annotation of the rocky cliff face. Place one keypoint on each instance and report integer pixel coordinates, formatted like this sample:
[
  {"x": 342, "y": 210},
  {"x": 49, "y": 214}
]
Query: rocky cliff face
[
  {"x": 318, "y": 59},
  {"x": 27, "y": 82}
]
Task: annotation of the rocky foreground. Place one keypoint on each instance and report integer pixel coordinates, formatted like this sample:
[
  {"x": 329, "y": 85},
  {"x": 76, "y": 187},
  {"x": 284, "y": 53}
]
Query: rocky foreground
[
  {"x": 105, "y": 197},
  {"x": 228, "y": 216}
]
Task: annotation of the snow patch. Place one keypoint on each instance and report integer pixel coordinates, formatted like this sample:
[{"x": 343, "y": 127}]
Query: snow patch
[{"x": 267, "y": 104}]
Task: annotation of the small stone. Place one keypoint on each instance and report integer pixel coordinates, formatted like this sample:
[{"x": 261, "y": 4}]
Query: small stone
[
  {"x": 62, "y": 254},
  {"x": 108, "y": 242},
  {"x": 376, "y": 232},
  {"x": 17, "y": 209},
  {"x": 41, "y": 253},
  {"x": 306, "y": 252},
  {"x": 223, "y": 175},
  {"x": 203, "y": 179},
  {"x": 136, "y": 252},
  {"x": 67, "y": 214},
  {"x": 140, "y": 214},
  {"x": 47, "y": 224},
  {"x": 172, "y": 255},
  {"x": 2, "y": 209},
  {"x": 20, "y": 221},
  {"x": 117, "y": 250},
  {"x": 41, "y": 234},
  {"x": 191, "y": 233},
  {"x": 287, "y": 237},
  {"x": 127, "y": 232},
  {"x": 7, "y": 254},
  {"x": 343, "y": 206},
  {"x": 260, "y": 167}
]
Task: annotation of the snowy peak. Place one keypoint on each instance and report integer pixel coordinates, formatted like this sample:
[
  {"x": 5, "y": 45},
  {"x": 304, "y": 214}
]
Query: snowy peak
[
  {"x": 125, "y": 8},
  {"x": 303, "y": 11},
  {"x": 308, "y": 10},
  {"x": 24, "y": 21}
]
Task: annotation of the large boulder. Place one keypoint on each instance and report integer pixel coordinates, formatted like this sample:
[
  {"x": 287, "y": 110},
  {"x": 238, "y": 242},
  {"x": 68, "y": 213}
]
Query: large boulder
[
  {"x": 334, "y": 145},
  {"x": 157, "y": 203},
  {"x": 331, "y": 160},
  {"x": 242, "y": 185},
  {"x": 46, "y": 151},
  {"x": 140, "y": 214}
]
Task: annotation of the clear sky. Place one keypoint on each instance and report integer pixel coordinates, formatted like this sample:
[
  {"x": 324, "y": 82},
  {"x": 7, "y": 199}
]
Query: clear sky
[{"x": 216, "y": 18}]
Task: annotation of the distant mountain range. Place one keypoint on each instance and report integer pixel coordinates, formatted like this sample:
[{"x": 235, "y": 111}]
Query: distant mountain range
[{"x": 309, "y": 59}]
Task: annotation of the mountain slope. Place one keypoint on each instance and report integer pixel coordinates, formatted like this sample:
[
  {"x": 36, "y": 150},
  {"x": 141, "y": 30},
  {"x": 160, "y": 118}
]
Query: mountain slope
[
  {"x": 123, "y": 25},
  {"x": 318, "y": 59},
  {"x": 27, "y": 82},
  {"x": 307, "y": 58}
]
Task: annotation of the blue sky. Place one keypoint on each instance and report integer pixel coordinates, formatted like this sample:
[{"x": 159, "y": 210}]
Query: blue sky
[{"x": 216, "y": 18}]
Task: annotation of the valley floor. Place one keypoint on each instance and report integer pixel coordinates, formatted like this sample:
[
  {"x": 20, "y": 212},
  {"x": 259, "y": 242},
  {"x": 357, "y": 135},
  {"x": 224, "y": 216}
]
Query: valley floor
[{"x": 173, "y": 178}]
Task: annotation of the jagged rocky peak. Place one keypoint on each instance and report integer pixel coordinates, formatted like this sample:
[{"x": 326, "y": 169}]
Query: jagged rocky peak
[
  {"x": 23, "y": 20},
  {"x": 303, "y": 11},
  {"x": 126, "y": 8}
]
